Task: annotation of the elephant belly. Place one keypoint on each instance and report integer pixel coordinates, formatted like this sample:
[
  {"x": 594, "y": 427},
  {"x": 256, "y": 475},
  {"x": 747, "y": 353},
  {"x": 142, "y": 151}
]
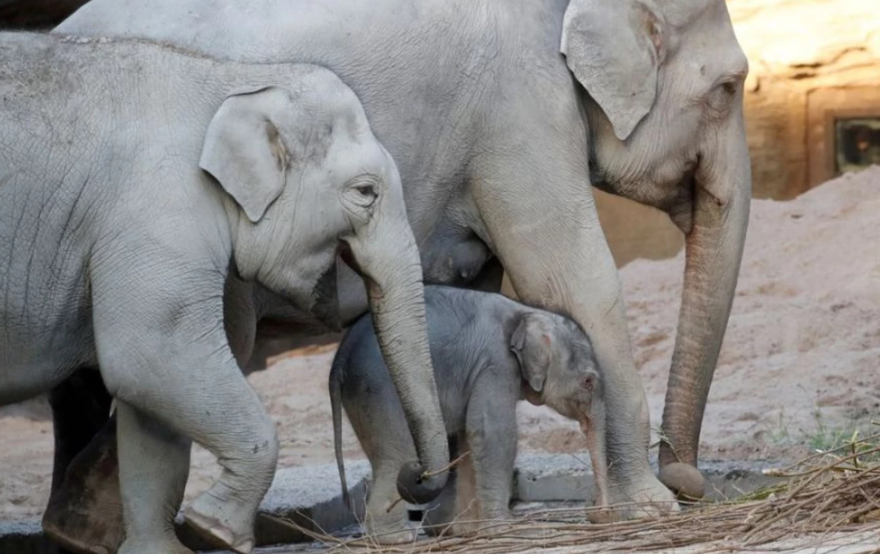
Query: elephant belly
[
  {"x": 453, "y": 255},
  {"x": 33, "y": 359}
]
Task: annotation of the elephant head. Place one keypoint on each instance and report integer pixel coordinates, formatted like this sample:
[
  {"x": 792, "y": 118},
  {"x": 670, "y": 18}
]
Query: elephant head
[
  {"x": 306, "y": 179},
  {"x": 559, "y": 370},
  {"x": 663, "y": 100}
]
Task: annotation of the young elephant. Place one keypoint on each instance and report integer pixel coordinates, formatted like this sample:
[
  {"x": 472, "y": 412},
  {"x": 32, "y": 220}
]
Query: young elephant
[
  {"x": 145, "y": 194},
  {"x": 488, "y": 352}
]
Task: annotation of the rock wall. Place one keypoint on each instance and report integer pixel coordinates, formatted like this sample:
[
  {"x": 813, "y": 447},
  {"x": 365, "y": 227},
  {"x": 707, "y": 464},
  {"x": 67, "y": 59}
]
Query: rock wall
[{"x": 806, "y": 57}]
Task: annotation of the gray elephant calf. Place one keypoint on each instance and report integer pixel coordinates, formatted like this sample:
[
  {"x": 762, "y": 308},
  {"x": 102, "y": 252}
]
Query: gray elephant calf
[
  {"x": 118, "y": 251},
  {"x": 488, "y": 352}
]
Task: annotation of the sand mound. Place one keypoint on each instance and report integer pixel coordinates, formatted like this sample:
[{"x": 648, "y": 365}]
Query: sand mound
[{"x": 802, "y": 350}]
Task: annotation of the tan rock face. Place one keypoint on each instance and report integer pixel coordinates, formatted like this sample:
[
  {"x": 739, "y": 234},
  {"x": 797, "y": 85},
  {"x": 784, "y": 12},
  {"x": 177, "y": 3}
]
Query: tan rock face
[
  {"x": 787, "y": 37},
  {"x": 800, "y": 53}
]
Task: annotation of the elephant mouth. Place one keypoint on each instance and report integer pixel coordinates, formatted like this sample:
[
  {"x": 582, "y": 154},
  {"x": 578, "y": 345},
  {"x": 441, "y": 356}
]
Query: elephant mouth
[
  {"x": 326, "y": 295},
  {"x": 347, "y": 256}
]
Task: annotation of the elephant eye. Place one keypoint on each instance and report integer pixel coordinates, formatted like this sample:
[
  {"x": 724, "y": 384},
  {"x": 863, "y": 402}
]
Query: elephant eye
[
  {"x": 721, "y": 97},
  {"x": 366, "y": 191},
  {"x": 362, "y": 193}
]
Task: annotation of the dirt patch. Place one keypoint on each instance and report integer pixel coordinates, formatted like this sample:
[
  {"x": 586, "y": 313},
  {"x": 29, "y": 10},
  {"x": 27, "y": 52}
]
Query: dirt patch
[{"x": 798, "y": 369}]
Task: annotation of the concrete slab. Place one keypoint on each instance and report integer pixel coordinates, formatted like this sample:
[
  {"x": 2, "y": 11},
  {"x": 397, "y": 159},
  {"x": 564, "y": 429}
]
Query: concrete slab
[{"x": 569, "y": 477}]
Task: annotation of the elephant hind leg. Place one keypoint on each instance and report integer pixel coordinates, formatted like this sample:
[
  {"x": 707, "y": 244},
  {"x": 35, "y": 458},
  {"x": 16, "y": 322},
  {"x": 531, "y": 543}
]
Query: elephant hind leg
[
  {"x": 386, "y": 516},
  {"x": 440, "y": 513},
  {"x": 84, "y": 513},
  {"x": 467, "y": 508},
  {"x": 80, "y": 409}
]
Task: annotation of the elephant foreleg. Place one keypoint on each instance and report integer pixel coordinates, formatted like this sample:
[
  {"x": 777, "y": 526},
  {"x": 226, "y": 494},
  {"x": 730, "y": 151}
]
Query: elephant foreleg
[
  {"x": 541, "y": 219},
  {"x": 155, "y": 465}
]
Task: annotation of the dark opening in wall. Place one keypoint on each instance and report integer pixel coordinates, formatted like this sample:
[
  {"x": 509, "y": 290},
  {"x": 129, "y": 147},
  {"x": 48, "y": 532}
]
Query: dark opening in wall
[
  {"x": 843, "y": 131},
  {"x": 857, "y": 143}
]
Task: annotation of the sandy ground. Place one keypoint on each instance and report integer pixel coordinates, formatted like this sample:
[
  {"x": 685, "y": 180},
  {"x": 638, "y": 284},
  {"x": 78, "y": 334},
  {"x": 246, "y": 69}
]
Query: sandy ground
[{"x": 798, "y": 370}]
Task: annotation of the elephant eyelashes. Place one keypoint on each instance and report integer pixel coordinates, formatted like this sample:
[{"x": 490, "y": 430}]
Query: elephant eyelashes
[
  {"x": 367, "y": 192},
  {"x": 363, "y": 194}
]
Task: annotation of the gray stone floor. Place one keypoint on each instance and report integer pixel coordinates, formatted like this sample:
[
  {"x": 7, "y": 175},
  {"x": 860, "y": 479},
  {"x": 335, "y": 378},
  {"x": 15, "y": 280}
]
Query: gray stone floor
[{"x": 311, "y": 496}]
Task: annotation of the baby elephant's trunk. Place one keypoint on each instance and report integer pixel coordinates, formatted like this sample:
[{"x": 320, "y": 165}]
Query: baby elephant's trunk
[{"x": 593, "y": 426}]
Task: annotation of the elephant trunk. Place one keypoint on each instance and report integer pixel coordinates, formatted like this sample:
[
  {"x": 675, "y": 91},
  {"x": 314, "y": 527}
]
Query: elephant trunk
[
  {"x": 593, "y": 427},
  {"x": 393, "y": 272},
  {"x": 714, "y": 250}
]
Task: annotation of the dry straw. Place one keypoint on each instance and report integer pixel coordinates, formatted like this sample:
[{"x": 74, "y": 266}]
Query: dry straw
[{"x": 822, "y": 496}]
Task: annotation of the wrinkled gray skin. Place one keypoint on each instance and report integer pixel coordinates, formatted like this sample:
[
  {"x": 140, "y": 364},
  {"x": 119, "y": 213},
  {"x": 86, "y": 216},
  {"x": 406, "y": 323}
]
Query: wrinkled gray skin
[
  {"x": 489, "y": 352},
  {"x": 498, "y": 136},
  {"x": 144, "y": 194}
]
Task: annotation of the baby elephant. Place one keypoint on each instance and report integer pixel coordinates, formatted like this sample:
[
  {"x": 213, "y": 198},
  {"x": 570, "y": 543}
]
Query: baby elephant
[{"x": 488, "y": 353}]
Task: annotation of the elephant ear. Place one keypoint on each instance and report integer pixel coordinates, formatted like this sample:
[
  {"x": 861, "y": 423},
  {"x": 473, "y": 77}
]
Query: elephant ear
[
  {"x": 614, "y": 49},
  {"x": 244, "y": 151},
  {"x": 532, "y": 344}
]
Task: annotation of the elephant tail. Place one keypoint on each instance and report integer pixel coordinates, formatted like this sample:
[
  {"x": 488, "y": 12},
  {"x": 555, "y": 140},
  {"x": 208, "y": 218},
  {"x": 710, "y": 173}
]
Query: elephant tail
[{"x": 336, "y": 407}]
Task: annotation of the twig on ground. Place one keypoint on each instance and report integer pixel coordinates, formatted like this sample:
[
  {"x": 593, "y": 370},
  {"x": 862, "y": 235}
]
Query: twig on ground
[{"x": 822, "y": 495}]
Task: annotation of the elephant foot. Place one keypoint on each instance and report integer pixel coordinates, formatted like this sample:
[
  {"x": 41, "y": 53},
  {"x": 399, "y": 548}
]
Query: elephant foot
[
  {"x": 637, "y": 499},
  {"x": 437, "y": 529},
  {"x": 220, "y": 521},
  {"x": 684, "y": 480},
  {"x": 450, "y": 529},
  {"x": 439, "y": 519},
  {"x": 390, "y": 528},
  {"x": 85, "y": 513}
]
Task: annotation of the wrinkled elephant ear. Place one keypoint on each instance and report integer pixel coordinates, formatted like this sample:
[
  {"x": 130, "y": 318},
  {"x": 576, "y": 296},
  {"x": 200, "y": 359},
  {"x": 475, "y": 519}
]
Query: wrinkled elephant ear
[
  {"x": 532, "y": 344},
  {"x": 614, "y": 49},
  {"x": 243, "y": 149}
]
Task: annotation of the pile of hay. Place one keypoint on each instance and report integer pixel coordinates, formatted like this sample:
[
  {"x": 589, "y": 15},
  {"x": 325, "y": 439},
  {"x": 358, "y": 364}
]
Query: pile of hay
[{"x": 824, "y": 495}]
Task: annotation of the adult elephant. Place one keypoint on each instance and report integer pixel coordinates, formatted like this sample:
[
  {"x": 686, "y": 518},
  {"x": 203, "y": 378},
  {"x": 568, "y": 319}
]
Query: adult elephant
[{"x": 498, "y": 136}]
